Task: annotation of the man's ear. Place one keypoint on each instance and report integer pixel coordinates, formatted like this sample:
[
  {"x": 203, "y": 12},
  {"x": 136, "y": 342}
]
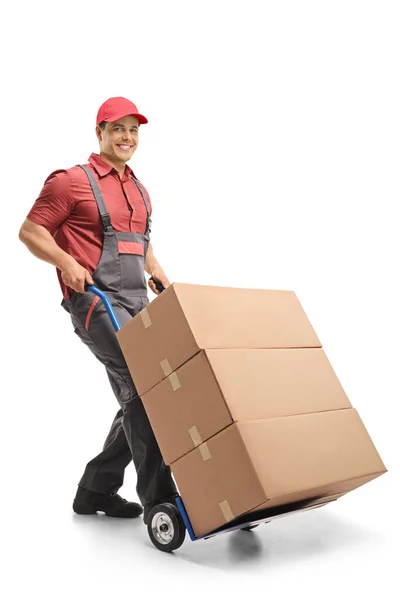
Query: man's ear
[{"x": 98, "y": 133}]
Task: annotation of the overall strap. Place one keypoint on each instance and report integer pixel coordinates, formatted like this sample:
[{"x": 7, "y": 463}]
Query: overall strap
[
  {"x": 104, "y": 215},
  {"x": 148, "y": 221}
]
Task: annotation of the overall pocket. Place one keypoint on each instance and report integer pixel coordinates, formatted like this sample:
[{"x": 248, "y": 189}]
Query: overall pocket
[{"x": 131, "y": 257}]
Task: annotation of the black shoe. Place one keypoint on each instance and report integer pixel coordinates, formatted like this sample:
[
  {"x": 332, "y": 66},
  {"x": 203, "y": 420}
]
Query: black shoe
[
  {"x": 150, "y": 505},
  {"x": 88, "y": 503}
]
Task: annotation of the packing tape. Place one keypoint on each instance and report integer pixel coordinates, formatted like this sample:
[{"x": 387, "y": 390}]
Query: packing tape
[
  {"x": 204, "y": 451},
  {"x": 173, "y": 378},
  {"x": 166, "y": 367},
  {"x": 145, "y": 318},
  {"x": 226, "y": 510},
  {"x": 195, "y": 435}
]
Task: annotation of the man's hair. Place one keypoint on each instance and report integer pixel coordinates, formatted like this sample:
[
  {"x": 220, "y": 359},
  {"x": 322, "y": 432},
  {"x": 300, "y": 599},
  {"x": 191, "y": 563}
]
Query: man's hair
[{"x": 103, "y": 124}]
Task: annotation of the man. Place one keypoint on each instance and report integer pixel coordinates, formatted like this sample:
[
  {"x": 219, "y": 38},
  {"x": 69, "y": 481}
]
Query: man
[{"x": 92, "y": 222}]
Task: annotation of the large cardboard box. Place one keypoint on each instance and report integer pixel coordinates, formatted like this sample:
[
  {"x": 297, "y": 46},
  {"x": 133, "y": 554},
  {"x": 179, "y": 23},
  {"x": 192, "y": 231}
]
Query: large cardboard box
[
  {"x": 187, "y": 318},
  {"x": 218, "y": 387},
  {"x": 253, "y": 465}
]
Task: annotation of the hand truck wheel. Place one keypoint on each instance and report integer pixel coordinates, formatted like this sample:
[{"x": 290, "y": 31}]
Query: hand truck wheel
[{"x": 165, "y": 527}]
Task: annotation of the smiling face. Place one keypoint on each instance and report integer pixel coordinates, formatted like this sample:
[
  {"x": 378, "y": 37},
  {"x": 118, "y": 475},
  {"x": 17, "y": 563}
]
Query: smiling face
[{"x": 119, "y": 140}]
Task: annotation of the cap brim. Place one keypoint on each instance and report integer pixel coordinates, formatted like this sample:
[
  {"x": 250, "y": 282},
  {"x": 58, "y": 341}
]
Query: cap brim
[{"x": 141, "y": 118}]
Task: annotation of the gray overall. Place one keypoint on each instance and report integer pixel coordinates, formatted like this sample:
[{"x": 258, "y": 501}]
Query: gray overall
[{"x": 120, "y": 273}]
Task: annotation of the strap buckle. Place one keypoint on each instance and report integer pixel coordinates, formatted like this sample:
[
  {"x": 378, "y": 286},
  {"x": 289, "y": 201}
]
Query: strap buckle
[{"x": 105, "y": 219}]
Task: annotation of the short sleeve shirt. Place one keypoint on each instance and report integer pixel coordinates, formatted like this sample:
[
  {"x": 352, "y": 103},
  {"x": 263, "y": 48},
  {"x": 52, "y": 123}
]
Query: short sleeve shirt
[{"x": 67, "y": 208}]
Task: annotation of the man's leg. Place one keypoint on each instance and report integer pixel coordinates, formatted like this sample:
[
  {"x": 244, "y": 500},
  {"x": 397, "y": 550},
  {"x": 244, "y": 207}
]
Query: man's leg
[
  {"x": 154, "y": 480},
  {"x": 105, "y": 473}
]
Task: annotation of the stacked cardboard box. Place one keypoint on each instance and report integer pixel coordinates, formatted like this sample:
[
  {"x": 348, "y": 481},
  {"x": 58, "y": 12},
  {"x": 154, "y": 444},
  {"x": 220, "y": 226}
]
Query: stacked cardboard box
[{"x": 244, "y": 403}]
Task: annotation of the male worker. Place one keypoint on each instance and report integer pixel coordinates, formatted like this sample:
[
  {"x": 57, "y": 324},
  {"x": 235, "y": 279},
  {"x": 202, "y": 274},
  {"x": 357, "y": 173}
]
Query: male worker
[{"x": 92, "y": 222}]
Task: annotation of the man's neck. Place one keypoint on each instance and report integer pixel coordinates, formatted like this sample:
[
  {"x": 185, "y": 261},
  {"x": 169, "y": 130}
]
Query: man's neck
[{"x": 119, "y": 166}]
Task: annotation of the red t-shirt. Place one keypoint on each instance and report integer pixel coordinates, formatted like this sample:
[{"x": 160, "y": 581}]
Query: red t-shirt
[{"x": 67, "y": 208}]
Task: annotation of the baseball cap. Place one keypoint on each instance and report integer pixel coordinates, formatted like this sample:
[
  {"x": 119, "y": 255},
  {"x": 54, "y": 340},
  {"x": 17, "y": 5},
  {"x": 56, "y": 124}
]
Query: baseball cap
[{"x": 116, "y": 108}]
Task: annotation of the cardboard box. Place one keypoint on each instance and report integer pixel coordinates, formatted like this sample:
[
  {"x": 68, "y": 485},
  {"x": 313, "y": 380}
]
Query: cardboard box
[
  {"x": 253, "y": 465},
  {"x": 187, "y": 318},
  {"x": 217, "y": 387}
]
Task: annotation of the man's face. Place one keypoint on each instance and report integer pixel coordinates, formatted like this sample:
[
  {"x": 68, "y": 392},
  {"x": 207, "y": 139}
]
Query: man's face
[{"x": 119, "y": 140}]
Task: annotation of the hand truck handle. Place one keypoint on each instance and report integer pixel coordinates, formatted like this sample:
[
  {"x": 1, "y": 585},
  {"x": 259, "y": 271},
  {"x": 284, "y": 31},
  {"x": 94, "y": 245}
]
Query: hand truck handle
[
  {"x": 107, "y": 303},
  {"x": 159, "y": 286}
]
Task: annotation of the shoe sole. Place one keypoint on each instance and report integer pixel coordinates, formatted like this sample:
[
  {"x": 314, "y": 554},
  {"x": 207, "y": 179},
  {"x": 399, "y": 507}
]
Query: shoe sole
[
  {"x": 84, "y": 511},
  {"x": 92, "y": 511}
]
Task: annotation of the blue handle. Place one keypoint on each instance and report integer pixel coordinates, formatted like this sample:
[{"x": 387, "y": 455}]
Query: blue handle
[{"x": 107, "y": 303}]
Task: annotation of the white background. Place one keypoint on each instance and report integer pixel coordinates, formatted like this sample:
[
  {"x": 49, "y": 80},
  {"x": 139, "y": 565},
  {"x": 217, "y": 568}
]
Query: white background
[{"x": 272, "y": 159}]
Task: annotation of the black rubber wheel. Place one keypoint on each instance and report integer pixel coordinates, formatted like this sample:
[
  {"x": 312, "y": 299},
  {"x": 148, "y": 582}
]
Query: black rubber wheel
[
  {"x": 249, "y": 528},
  {"x": 165, "y": 527}
]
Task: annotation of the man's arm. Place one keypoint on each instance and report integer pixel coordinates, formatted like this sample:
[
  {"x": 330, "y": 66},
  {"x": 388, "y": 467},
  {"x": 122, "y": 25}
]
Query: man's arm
[
  {"x": 151, "y": 261},
  {"x": 42, "y": 245},
  {"x": 51, "y": 208},
  {"x": 153, "y": 268}
]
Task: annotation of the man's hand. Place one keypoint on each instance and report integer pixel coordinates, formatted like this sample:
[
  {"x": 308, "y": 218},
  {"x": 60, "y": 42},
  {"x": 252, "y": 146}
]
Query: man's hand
[
  {"x": 160, "y": 276},
  {"x": 75, "y": 276}
]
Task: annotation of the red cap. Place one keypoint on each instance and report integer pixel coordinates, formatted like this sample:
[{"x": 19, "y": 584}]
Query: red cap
[{"x": 116, "y": 108}]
